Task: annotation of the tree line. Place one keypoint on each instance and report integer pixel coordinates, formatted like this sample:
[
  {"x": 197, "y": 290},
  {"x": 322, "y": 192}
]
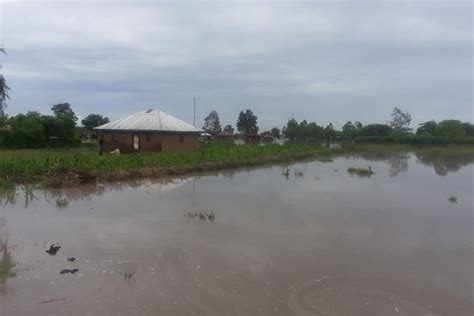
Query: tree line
[
  {"x": 397, "y": 130},
  {"x": 35, "y": 130}
]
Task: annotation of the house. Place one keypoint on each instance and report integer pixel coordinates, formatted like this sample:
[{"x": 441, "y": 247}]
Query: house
[
  {"x": 252, "y": 139},
  {"x": 266, "y": 137},
  {"x": 225, "y": 137},
  {"x": 149, "y": 131}
]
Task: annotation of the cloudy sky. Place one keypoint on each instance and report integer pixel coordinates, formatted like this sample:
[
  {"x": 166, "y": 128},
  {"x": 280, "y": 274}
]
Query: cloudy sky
[{"x": 324, "y": 61}]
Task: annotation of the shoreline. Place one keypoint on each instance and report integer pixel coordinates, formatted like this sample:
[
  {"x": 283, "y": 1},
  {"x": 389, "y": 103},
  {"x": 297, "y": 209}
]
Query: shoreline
[
  {"x": 83, "y": 166},
  {"x": 63, "y": 177}
]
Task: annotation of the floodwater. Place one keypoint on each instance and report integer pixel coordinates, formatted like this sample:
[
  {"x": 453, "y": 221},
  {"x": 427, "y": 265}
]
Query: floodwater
[{"x": 303, "y": 239}]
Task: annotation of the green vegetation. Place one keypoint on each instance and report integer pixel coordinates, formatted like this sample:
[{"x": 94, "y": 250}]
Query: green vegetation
[
  {"x": 66, "y": 167},
  {"x": 33, "y": 130},
  {"x": 361, "y": 172}
]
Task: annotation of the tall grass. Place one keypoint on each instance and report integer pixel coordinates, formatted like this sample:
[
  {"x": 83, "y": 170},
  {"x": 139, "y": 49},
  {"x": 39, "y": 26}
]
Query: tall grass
[{"x": 31, "y": 165}]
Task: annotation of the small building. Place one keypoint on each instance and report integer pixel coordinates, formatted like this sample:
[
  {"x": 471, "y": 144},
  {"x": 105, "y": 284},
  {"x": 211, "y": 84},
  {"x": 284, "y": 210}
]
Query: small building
[
  {"x": 266, "y": 138},
  {"x": 225, "y": 137},
  {"x": 149, "y": 131},
  {"x": 252, "y": 139}
]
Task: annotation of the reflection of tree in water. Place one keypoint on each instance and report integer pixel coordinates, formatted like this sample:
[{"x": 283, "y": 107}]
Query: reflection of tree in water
[
  {"x": 445, "y": 161},
  {"x": 442, "y": 159},
  {"x": 398, "y": 164},
  {"x": 397, "y": 161}
]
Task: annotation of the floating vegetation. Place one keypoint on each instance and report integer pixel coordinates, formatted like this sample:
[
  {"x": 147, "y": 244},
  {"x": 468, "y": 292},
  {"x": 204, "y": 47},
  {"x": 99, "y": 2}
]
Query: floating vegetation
[
  {"x": 201, "y": 216},
  {"x": 127, "y": 276},
  {"x": 62, "y": 203},
  {"x": 361, "y": 172},
  {"x": 299, "y": 174},
  {"x": 325, "y": 159},
  {"x": 453, "y": 199}
]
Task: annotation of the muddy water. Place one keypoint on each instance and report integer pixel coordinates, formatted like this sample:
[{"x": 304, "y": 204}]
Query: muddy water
[{"x": 307, "y": 239}]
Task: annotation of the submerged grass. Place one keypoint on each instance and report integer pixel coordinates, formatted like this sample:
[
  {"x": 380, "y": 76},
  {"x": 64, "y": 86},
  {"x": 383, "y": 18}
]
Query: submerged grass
[
  {"x": 65, "y": 167},
  {"x": 361, "y": 172}
]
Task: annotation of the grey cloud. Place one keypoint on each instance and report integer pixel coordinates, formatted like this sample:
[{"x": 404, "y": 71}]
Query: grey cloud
[{"x": 316, "y": 60}]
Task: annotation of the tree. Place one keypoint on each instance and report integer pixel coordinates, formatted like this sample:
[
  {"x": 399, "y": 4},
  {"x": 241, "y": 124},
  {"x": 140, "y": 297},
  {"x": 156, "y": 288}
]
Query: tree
[
  {"x": 3, "y": 93},
  {"x": 229, "y": 129},
  {"x": 451, "y": 129},
  {"x": 276, "y": 133},
  {"x": 427, "y": 128},
  {"x": 247, "y": 123},
  {"x": 376, "y": 130},
  {"x": 349, "y": 130},
  {"x": 25, "y": 131},
  {"x": 94, "y": 120},
  {"x": 64, "y": 109},
  {"x": 212, "y": 124},
  {"x": 329, "y": 133},
  {"x": 315, "y": 132},
  {"x": 400, "y": 120},
  {"x": 290, "y": 131}
]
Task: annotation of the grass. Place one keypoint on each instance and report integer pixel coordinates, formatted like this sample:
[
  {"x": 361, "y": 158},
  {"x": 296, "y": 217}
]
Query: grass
[
  {"x": 361, "y": 172},
  {"x": 68, "y": 167}
]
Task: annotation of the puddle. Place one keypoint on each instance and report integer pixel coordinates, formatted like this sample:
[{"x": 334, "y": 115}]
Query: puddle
[{"x": 302, "y": 239}]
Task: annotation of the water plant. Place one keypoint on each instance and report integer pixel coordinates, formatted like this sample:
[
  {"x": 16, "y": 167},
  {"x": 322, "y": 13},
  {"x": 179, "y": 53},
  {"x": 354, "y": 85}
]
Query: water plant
[{"x": 361, "y": 172}]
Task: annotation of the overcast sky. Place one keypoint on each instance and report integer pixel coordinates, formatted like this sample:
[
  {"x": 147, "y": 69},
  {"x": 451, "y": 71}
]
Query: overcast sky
[{"x": 322, "y": 61}]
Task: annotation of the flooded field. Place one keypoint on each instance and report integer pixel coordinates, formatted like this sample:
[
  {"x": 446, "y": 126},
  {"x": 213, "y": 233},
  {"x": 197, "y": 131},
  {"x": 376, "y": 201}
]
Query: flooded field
[{"x": 303, "y": 239}]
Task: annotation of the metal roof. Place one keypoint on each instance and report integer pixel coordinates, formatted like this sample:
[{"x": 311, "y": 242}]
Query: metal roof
[{"x": 150, "y": 121}]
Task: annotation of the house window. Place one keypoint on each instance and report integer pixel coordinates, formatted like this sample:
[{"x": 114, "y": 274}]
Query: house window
[{"x": 181, "y": 138}]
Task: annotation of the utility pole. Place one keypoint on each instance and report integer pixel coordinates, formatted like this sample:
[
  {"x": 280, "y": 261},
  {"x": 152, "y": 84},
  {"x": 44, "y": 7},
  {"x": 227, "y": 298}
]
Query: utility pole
[{"x": 194, "y": 103}]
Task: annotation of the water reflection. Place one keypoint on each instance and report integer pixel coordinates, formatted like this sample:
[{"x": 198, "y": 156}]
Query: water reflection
[
  {"x": 443, "y": 160},
  {"x": 446, "y": 162}
]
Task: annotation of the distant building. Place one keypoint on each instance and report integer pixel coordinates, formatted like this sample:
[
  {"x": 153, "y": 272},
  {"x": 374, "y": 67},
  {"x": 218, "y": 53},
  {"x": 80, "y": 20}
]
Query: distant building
[
  {"x": 266, "y": 137},
  {"x": 252, "y": 139},
  {"x": 149, "y": 131},
  {"x": 225, "y": 137}
]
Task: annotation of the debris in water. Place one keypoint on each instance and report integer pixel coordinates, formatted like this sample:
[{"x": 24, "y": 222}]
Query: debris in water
[
  {"x": 298, "y": 174},
  {"x": 201, "y": 216},
  {"x": 127, "y": 276},
  {"x": 72, "y": 259},
  {"x": 453, "y": 199},
  {"x": 53, "y": 301},
  {"x": 361, "y": 172},
  {"x": 53, "y": 249},
  {"x": 211, "y": 216},
  {"x": 66, "y": 271}
]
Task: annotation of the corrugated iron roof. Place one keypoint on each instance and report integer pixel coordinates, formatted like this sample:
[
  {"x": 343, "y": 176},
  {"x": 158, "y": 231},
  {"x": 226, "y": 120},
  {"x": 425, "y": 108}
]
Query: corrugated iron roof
[{"x": 150, "y": 121}]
